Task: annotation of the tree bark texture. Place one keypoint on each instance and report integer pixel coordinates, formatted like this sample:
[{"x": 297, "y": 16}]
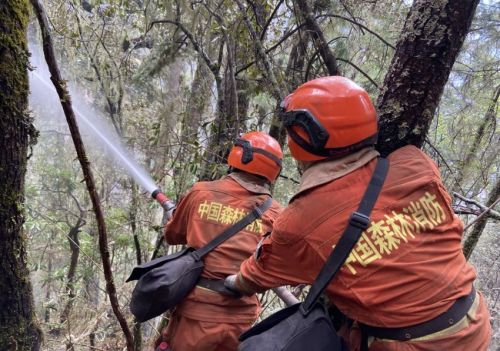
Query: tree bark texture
[
  {"x": 429, "y": 43},
  {"x": 488, "y": 121},
  {"x": 134, "y": 206},
  {"x": 74, "y": 245},
  {"x": 65, "y": 99},
  {"x": 478, "y": 228},
  {"x": 191, "y": 122},
  {"x": 18, "y": 327}
]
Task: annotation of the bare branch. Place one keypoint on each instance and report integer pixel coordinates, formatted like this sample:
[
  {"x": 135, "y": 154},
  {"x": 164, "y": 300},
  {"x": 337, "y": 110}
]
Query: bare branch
[
  {"x": 276, "y": 89},
  {"x": 359, "y": 70},
  {"x": 318, "y": 38},
  {"x": 360, "y": 26},
  {"x": 314, "y": 57},
  {"x": 278, "y": 43},
  {"x": 491, "y": 213},
  {"x": 214, "y": 68},
  {"x": 298, "y": 27},
  {"x": 484, "y": 213},
  {"x": 289, "y": 178},
  {"x": 65, "y": 99},
  {"x": 269, "y": 20}
]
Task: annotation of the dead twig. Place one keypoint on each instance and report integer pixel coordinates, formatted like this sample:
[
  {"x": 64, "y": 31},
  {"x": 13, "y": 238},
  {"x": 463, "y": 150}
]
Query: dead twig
[
  {"x": 65, "y": 99},
  {"x": 491, "y": 213},
  {"x": 485, "y": 212}
]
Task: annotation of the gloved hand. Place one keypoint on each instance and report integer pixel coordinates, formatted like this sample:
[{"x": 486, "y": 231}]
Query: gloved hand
[
  {"x": 230, "y": 283},
  {"x": 168, "y": 211}
]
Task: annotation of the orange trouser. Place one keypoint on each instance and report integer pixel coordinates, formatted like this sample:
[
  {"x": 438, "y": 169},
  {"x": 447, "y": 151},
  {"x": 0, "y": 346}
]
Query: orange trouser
[
  {"x": 472, "y": 333},
  {"x": 187, "y": 334}
]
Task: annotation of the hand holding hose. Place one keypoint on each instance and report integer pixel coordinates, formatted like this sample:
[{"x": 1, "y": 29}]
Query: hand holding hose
[
  {"x": 167, "y": 204},
  {"x": 283, "y": 293}
]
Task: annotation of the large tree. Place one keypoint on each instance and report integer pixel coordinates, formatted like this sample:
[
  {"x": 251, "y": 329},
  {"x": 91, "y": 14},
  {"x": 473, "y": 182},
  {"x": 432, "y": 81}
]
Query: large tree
[
  {"x": 427, "y": 48},
  {"x": 18, "y": 328}
]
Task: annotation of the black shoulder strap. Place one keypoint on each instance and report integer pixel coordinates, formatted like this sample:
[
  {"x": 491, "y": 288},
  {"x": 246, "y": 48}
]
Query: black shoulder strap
[
  {"x": 232, "y": 230},
  {"x": 358, "y": 222}
]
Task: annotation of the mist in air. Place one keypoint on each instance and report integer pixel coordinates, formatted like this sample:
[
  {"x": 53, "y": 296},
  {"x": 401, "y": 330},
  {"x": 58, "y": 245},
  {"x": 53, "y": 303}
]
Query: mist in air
[{"x": 92, "y": 123}]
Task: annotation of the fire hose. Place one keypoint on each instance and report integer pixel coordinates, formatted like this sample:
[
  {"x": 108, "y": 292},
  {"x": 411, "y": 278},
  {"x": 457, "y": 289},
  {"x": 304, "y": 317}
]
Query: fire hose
[
  {"x": 286, "y": 296},
  {"x": 168, "y": 205}
]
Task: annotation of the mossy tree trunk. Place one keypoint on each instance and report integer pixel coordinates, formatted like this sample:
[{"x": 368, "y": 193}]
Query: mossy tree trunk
[
  {"x": 430, "y": 41},
  {"x": 478, "y": 228},
  {"x": 485, "y": 125},
  {"x": 18, "y": 328}
]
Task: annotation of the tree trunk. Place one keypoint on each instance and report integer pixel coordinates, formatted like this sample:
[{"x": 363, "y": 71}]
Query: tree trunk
[
  {"x": 74, "y": 245},
  {"x": 429, "y": 43},
  {"x": 488, "y": 120},
  {"x": 134, "y": 206},
  {"x": 196, "y": 106},
  {"x": 46, "y": 318},
  {"x": 478, "y": 228},
  {"x": 18, "y": 329},
  {"x": 218, "y": 145}
]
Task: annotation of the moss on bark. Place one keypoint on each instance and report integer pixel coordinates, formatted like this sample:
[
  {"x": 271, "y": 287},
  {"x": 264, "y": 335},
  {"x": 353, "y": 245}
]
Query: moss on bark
[
  {"x": 18, "y": 328},
  {"x": 430, "y": 41}
]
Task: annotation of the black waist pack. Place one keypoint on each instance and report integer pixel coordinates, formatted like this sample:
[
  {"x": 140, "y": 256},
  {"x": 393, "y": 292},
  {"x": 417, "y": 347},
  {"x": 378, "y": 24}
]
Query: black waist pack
[
  {"x": 165, "y": 281},
  {"x": 292, "y": 330},
  {"x": 306, "y": 325}
]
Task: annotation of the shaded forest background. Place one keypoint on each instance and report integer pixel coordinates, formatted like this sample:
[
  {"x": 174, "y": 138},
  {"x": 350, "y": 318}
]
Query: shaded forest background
[{"x": 178, "y": 81}]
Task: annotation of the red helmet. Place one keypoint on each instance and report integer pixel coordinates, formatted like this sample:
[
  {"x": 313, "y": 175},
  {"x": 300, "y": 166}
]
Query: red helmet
[
  {"x": 257, "y": 153},
  {"x": 328, "y": 117}
]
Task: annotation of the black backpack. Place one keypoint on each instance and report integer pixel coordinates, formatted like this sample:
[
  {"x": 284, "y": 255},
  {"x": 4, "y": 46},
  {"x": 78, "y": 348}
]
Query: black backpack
[
  {"x": 165, "y": 281},
  {"x": 306, "y": 325}
]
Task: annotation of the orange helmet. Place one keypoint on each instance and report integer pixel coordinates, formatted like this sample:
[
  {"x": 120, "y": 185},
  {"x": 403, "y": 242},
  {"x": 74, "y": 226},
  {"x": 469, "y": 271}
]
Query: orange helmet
[
  {"x": 257, "y": 153},
  {"x": 328, "y": 117}
]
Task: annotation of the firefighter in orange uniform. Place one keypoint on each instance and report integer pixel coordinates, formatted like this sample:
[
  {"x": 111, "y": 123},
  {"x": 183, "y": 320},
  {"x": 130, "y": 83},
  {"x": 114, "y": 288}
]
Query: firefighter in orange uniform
[
  {"x": 407, "y": 273},
  {"x": 208, "y": 319}
]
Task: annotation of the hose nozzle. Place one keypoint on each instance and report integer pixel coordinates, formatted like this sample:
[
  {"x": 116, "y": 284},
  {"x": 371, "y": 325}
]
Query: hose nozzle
[{"x": 163, "y": 200}]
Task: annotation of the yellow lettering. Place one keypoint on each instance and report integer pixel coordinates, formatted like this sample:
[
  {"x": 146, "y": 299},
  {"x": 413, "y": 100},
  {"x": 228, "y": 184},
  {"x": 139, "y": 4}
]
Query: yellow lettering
[
  {"x": 400, "y": 225},
  {"x": 238, "y": 214},
  {"x": 227, "y": 215},
  {"x": 433, "y": 209},
  {"x": 203, "y": 209},
  {"x": 383, "y": 237},
  {"x": 214, "y": 211},
  {"x": 418, "y": 216},
  {"x": 365, "y": 251}
]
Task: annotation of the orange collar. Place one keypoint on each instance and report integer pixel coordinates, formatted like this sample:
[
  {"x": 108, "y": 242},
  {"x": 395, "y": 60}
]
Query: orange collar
[
  {"x": 325, "y": 171},
  {"x": 251, "y": 183}
]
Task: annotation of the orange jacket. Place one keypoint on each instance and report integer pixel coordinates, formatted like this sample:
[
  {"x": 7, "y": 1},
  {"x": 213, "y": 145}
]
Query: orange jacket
[
  {"x": 206, "y": 210},
  {"x": 407, "y": 267}
]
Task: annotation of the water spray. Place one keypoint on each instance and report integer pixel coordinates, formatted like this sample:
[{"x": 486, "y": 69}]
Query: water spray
[{"x": 96, "y": 127}]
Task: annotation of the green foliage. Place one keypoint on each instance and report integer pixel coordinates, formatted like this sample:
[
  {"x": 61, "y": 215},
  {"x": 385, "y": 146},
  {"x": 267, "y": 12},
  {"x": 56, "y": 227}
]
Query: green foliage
[{"x": 169, "y": 104}]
